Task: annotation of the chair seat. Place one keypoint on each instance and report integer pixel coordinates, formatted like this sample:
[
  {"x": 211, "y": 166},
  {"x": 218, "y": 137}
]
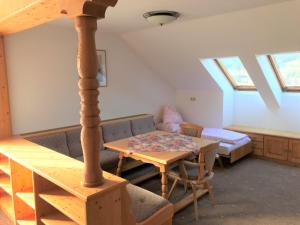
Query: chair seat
[
  {"x": 144, "y": 203},
  {"x": 192, "y": 172}
]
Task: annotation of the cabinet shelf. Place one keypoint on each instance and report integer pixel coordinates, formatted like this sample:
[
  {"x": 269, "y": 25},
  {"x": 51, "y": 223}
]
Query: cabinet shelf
[
  {"x": 26, "y": 222},
  {"x": 66, "y": 203},
  {"x": 4, "y": 166},
  {"x": 7, "y": 206},
  {"x": 57, "y": 219},
  {"x": 5, "y": 184},
  {"x": 27, "y": 197}
]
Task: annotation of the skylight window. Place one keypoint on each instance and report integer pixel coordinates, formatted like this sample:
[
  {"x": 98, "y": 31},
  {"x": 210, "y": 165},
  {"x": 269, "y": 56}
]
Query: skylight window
[
  {"x": 287, "y": 69},
  {"x": 236, "y": 73}
]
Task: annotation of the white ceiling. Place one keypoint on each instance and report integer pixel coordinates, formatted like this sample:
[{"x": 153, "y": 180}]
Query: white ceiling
[{"x": 127, "y": 15}]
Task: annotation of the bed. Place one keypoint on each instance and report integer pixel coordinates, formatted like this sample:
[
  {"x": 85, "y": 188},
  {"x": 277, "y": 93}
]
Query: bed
[{"x": 233, "y": 145}]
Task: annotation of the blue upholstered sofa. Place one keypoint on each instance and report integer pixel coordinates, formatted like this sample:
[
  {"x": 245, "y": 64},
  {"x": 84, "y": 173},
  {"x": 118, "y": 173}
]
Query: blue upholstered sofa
[
  {"x": 67, "y": 141},
  {"x": 146, "y": 206}
]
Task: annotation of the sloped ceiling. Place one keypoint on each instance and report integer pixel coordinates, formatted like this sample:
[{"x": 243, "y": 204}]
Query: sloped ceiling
[{"x": 174, "y": 50}]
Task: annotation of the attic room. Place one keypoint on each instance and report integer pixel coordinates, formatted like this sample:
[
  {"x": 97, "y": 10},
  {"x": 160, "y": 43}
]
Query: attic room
[{"x": 116, "y": 112}]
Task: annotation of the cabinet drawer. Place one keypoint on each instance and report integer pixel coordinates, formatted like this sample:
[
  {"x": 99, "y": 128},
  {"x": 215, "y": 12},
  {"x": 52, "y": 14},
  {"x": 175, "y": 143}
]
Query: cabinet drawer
[
  {"x": 258, "y": 144},
  {"x": 276, "y": 148},
  {"x": 294, "y": 151},
  {"x": 256, "y": 137},
  {"x": 258, "y": 151}
]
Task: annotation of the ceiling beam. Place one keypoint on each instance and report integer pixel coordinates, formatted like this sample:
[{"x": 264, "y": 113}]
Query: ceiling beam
[
  {"x": 18, "y": 15},
  {"x": 265, "y": 88}
]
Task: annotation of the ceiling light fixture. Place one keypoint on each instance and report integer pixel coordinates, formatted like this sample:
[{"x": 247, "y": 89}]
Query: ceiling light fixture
[{"x": 161, "y": 17}]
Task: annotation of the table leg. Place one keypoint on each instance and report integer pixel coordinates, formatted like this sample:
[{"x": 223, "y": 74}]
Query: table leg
[
  {"x": 164, "y": 182},
  {"x": 120, "y": 164}
]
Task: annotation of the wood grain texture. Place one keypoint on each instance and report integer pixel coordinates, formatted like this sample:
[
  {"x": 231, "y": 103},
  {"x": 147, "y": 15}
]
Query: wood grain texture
[
  {"x": 57, "y": 219},
  {"x": 65, "y": 173},
  {"x": 276, "y": 147},
  {"x": 66, "y": 203},
  {"x": 264, "y": 131},
  {"x": 241, "y": 152},
  {"x": 5, "y": 117},
  {"x": 294, "y": 151},
  {"x": 88, "y": 90},
  {"x": 155, "y": 158},
  {"x": 18, "y": 15},
  {"x": 22, "y": 182}
]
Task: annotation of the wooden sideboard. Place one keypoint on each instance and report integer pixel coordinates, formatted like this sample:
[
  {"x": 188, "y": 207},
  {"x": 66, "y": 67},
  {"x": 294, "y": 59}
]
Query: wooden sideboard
[
  {"x": 41, "y": 187},
  {"x": 273, "y": 144}
]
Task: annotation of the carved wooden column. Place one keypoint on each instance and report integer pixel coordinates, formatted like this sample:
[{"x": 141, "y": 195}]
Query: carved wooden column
[
  {"x": 86, "y": 13},
  {"x": 5, "y": 119},
  {"x": 86, "y": 27}
]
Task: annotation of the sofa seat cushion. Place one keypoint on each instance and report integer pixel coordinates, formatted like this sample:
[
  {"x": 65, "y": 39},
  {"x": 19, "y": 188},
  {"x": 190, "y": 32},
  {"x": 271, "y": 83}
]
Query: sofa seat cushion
[
  {"x": 116, "y": 131},
  {"x": 108, "y": 160},
  {"x": 144, "y": 203},
  {"x": 139, "y": 171},
  {"x": 56, "y": 142},
  {"x": 142, "y": 125}
]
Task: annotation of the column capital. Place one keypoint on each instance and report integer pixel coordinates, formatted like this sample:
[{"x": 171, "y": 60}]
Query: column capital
[{"x": 94, "y": 8}]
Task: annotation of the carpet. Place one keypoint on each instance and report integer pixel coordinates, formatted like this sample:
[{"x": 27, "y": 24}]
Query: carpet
[{"x": 250, "y": 192}]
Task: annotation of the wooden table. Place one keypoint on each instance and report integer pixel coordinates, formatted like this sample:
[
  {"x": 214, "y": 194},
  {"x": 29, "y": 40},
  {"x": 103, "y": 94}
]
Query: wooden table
[{"x": 162, "y": 160}]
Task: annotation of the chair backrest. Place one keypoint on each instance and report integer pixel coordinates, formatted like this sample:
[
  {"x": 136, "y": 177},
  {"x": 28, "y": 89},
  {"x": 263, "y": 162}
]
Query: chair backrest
[
  {"x": 207, "y": 159},
  {"x": 190, "y": 129}
]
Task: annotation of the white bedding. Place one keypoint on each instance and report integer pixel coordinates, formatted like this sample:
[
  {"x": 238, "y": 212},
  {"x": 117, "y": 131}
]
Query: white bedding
[
  {"x": 226, "y": 148},
  {"x": 225, "y": 136}
]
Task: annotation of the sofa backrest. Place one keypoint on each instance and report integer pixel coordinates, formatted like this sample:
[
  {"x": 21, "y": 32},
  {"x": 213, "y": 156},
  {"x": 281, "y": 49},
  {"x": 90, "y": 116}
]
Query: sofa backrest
[
  {"x": 74, "y": 143},
  {"x": 67, "y": 140},
  {"x": 115, "y": 131},
  {"x": 142, "y": 125},
  {"x": 56, "y": 142}
]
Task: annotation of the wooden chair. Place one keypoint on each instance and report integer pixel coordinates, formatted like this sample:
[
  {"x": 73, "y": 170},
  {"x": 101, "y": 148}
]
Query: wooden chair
[
  {"x": 197, "y": 175},
  {"x": 190, "y": 129},
  {"x": 195, "y": 130}
]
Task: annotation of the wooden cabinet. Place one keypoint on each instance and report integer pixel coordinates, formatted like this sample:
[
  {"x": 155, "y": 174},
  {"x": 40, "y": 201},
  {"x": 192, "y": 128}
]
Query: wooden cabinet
[
  {"x": 280, "y": 145},
  {"x": 32, "y": 192},
  {"x": 294, "y": 151},
  {"x": 257, "y": 143},
  {"x": 276, "y": 147}
]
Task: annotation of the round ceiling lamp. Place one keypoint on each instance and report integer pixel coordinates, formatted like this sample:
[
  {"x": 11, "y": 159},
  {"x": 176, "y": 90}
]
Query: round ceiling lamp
[{"x": 161, "y": 17}]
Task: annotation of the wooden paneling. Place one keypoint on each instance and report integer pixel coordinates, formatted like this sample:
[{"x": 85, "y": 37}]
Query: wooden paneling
[
  {"x": 257, "y": 143},
  {"x": 5, "y": 119},
  {"x": 241, "y": 152},
  {"x": 294, "y": 151},
  {"x": 19, "y": 15},
  {"x": 41, "y": 197},
  {"x": 264, "y": 131},
  {"x": 279, "y": 145},
  {"x": 276, "y": 148}
]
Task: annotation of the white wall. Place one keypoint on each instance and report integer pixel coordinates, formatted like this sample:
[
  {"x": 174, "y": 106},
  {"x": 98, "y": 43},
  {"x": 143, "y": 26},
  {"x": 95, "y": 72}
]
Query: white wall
[
  {"x": 173, "y": 51},
  {"x": 43, "y": 79},
  {"x": 250, "y": 110},
  {"x": 204, "y": 110}
]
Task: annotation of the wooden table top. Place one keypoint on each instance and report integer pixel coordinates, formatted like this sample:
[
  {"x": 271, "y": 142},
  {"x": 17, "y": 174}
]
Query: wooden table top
[{"x": 159, "y": 157}]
